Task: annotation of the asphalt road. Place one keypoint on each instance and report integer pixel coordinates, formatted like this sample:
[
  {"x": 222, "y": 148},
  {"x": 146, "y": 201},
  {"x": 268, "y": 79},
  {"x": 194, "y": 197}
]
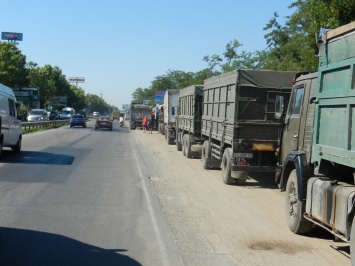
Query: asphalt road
[{"x": 76, "y": 196}]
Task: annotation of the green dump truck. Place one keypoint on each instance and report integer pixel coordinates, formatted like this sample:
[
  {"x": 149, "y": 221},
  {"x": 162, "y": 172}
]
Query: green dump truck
[{"x": 317, "y": 152}]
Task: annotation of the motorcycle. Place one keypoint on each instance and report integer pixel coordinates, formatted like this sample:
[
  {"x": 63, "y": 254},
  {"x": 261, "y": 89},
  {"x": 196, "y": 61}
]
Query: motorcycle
[{"x": 121, "y": 123}]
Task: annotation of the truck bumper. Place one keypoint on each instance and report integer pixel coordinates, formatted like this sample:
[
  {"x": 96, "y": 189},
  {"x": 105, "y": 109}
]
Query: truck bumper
[{"x": 254, "y": 169}]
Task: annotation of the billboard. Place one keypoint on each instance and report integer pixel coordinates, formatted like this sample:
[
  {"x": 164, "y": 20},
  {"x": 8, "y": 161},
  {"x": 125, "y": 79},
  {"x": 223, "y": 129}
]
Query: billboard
[
  {"x": 58, "y": 100},
  {"x": 77, "y": 80},
  {"x": 159, "y": 96},
  {"x": 27, "y": 94},
  {"x": 11, "y": 36}
]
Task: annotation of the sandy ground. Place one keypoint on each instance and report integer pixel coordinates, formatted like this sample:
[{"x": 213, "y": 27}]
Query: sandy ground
[{"x": 215, "y": 224}]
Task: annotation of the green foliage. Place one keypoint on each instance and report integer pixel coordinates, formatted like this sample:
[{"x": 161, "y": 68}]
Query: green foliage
[
  {"x": 13, "y": 72},
  {"x": 292, "y": 47},
  {"x": 97, "y": 104}
]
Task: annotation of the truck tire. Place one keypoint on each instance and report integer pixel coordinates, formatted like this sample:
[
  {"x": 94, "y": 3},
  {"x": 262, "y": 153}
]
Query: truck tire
[
  {"x": 17, "y": 147},
  {"x": 188, "y": 147},
  {"x": 178, "y": 143},
  {"x": 170, "y": 140},
  {"x": 294, "y": 208},
  {"x": 352, "y": 243},
  {"x": 184, "y": 144},
  {"x": 178, "y": 146},
  {"x": 0, "y": 147},
  {"x": 226, "y": 167},
  {"x": 206, "y": 155}
]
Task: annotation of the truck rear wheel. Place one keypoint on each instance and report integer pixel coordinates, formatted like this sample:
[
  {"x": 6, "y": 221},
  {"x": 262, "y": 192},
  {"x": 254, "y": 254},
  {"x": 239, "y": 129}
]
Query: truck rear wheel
[
  {"x": 188, "y": 147},
  {"x": 294, "y": 208},
  {"x": 206, "y": 155},
  {"x": 169, "y": 139},
  {"x": 184, "y": 144},
  {"x": 178, "y": 146},
  {"x": 226, "y": 167},
  {"x": 178, "y": 143}
]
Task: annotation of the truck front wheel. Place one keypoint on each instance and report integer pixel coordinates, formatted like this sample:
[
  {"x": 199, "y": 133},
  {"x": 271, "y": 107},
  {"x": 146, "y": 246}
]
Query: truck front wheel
[
  {"x": 226, "y": 167},
  {"x": 294, "y": 208}
]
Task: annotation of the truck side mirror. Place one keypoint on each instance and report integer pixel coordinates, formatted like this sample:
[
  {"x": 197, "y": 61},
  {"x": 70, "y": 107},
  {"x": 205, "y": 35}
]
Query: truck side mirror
[{"x": 279, "y": 106}]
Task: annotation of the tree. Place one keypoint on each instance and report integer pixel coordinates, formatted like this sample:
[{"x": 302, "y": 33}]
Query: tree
[
  {"x": 231, "y": 54},
  {"x": 97, "y": 104},
  {"x": 13, "y": 72},
  {"x": 292, "y": 47},
  {"x": 77, "y": 98},
  {"x": 212, "y": 61},
  {"x": 51, "y": 83}
]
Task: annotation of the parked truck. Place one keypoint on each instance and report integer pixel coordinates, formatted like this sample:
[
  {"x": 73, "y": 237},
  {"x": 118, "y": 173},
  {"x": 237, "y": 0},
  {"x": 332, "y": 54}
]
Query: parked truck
[
  {"x": 188, "y": 121},
  {"x": 318, "y": 142},
  {"x": 137, "y": 112},
  {"x": 238, "y": 122},
  {"x": 168, "y": 112}
]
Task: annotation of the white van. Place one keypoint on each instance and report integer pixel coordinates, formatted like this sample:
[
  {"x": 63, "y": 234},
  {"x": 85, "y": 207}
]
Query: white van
[
  {"x": 11, "y": 127},
  {"x": 67, "y": 112}
]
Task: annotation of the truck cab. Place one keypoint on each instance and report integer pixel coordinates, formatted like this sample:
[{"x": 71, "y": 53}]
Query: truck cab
[{"x": 297, "y": 119}]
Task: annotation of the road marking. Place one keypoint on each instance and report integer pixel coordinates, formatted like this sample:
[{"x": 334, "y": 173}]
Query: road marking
[{"x": 157, "y": 232}]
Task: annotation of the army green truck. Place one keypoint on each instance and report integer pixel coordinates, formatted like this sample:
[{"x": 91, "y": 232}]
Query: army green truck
[
  {"x": 318, "y": 142},
  {"x": 188, "y": 121},
  {"x": 238, "y": 121}
]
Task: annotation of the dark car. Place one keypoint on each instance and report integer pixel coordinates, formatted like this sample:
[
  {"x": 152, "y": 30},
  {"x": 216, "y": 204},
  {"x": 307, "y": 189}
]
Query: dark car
[
  {"x": 103, "y": 122},
  {"x": 54, "y": 115},
  {"x": 77, "y": 120},
  {"x": 83, "y": 113}
]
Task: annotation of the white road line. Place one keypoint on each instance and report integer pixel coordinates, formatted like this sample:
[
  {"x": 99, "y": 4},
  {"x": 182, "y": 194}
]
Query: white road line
[{"x": 157, "y": 232}]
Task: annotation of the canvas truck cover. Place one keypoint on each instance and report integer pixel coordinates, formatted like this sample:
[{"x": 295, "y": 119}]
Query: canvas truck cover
[{"x": 255, "y": 78}]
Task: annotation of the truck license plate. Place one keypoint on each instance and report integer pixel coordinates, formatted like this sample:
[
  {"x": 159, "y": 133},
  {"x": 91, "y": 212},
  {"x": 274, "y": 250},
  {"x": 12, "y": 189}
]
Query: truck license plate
[{"x": 243, "y": 155}]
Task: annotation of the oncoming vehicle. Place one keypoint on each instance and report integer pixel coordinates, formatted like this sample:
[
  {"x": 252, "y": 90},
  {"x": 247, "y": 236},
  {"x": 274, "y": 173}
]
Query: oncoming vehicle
[
  {"x": 96, "y": 114},
  {"x": 67, "y": 112},
  {"x": 77, "y": 120},
  {"x": 103, "y": 122},
  {"x": 115, "y": 115},
  {"x": 10, "y": 125},
  {"x": 37, "y": 115},
  {"x": 138, "y": 111},
  {"x": 53, "y": 115}
]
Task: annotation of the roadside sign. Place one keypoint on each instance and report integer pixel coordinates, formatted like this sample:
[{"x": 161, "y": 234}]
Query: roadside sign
[{"x": 27, "y": 94}]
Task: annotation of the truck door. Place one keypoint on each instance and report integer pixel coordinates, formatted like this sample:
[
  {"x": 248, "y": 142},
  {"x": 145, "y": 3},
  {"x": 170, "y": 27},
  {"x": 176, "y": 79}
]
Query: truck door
[{"x": 291, "y": 131}]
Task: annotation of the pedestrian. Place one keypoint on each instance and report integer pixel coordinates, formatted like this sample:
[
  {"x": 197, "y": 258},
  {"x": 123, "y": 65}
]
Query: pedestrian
[
  {"x": 151, "y": 123},
  {"x": 145, "y": 123}
]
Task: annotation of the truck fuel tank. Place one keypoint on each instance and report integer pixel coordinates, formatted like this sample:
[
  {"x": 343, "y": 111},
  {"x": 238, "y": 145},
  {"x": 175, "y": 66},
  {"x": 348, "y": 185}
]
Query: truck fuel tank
[{"x": 330, "y": 202}]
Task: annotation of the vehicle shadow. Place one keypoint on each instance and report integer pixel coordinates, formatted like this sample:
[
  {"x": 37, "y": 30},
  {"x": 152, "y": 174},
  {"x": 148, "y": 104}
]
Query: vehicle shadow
[
  {"x": 36, "y": 157},
  {"x": 28, "y": 247}
]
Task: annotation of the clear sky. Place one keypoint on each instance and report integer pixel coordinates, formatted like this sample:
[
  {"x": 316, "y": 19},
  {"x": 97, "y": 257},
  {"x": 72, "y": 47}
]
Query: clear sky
[{"x": 120, "y": 45}]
